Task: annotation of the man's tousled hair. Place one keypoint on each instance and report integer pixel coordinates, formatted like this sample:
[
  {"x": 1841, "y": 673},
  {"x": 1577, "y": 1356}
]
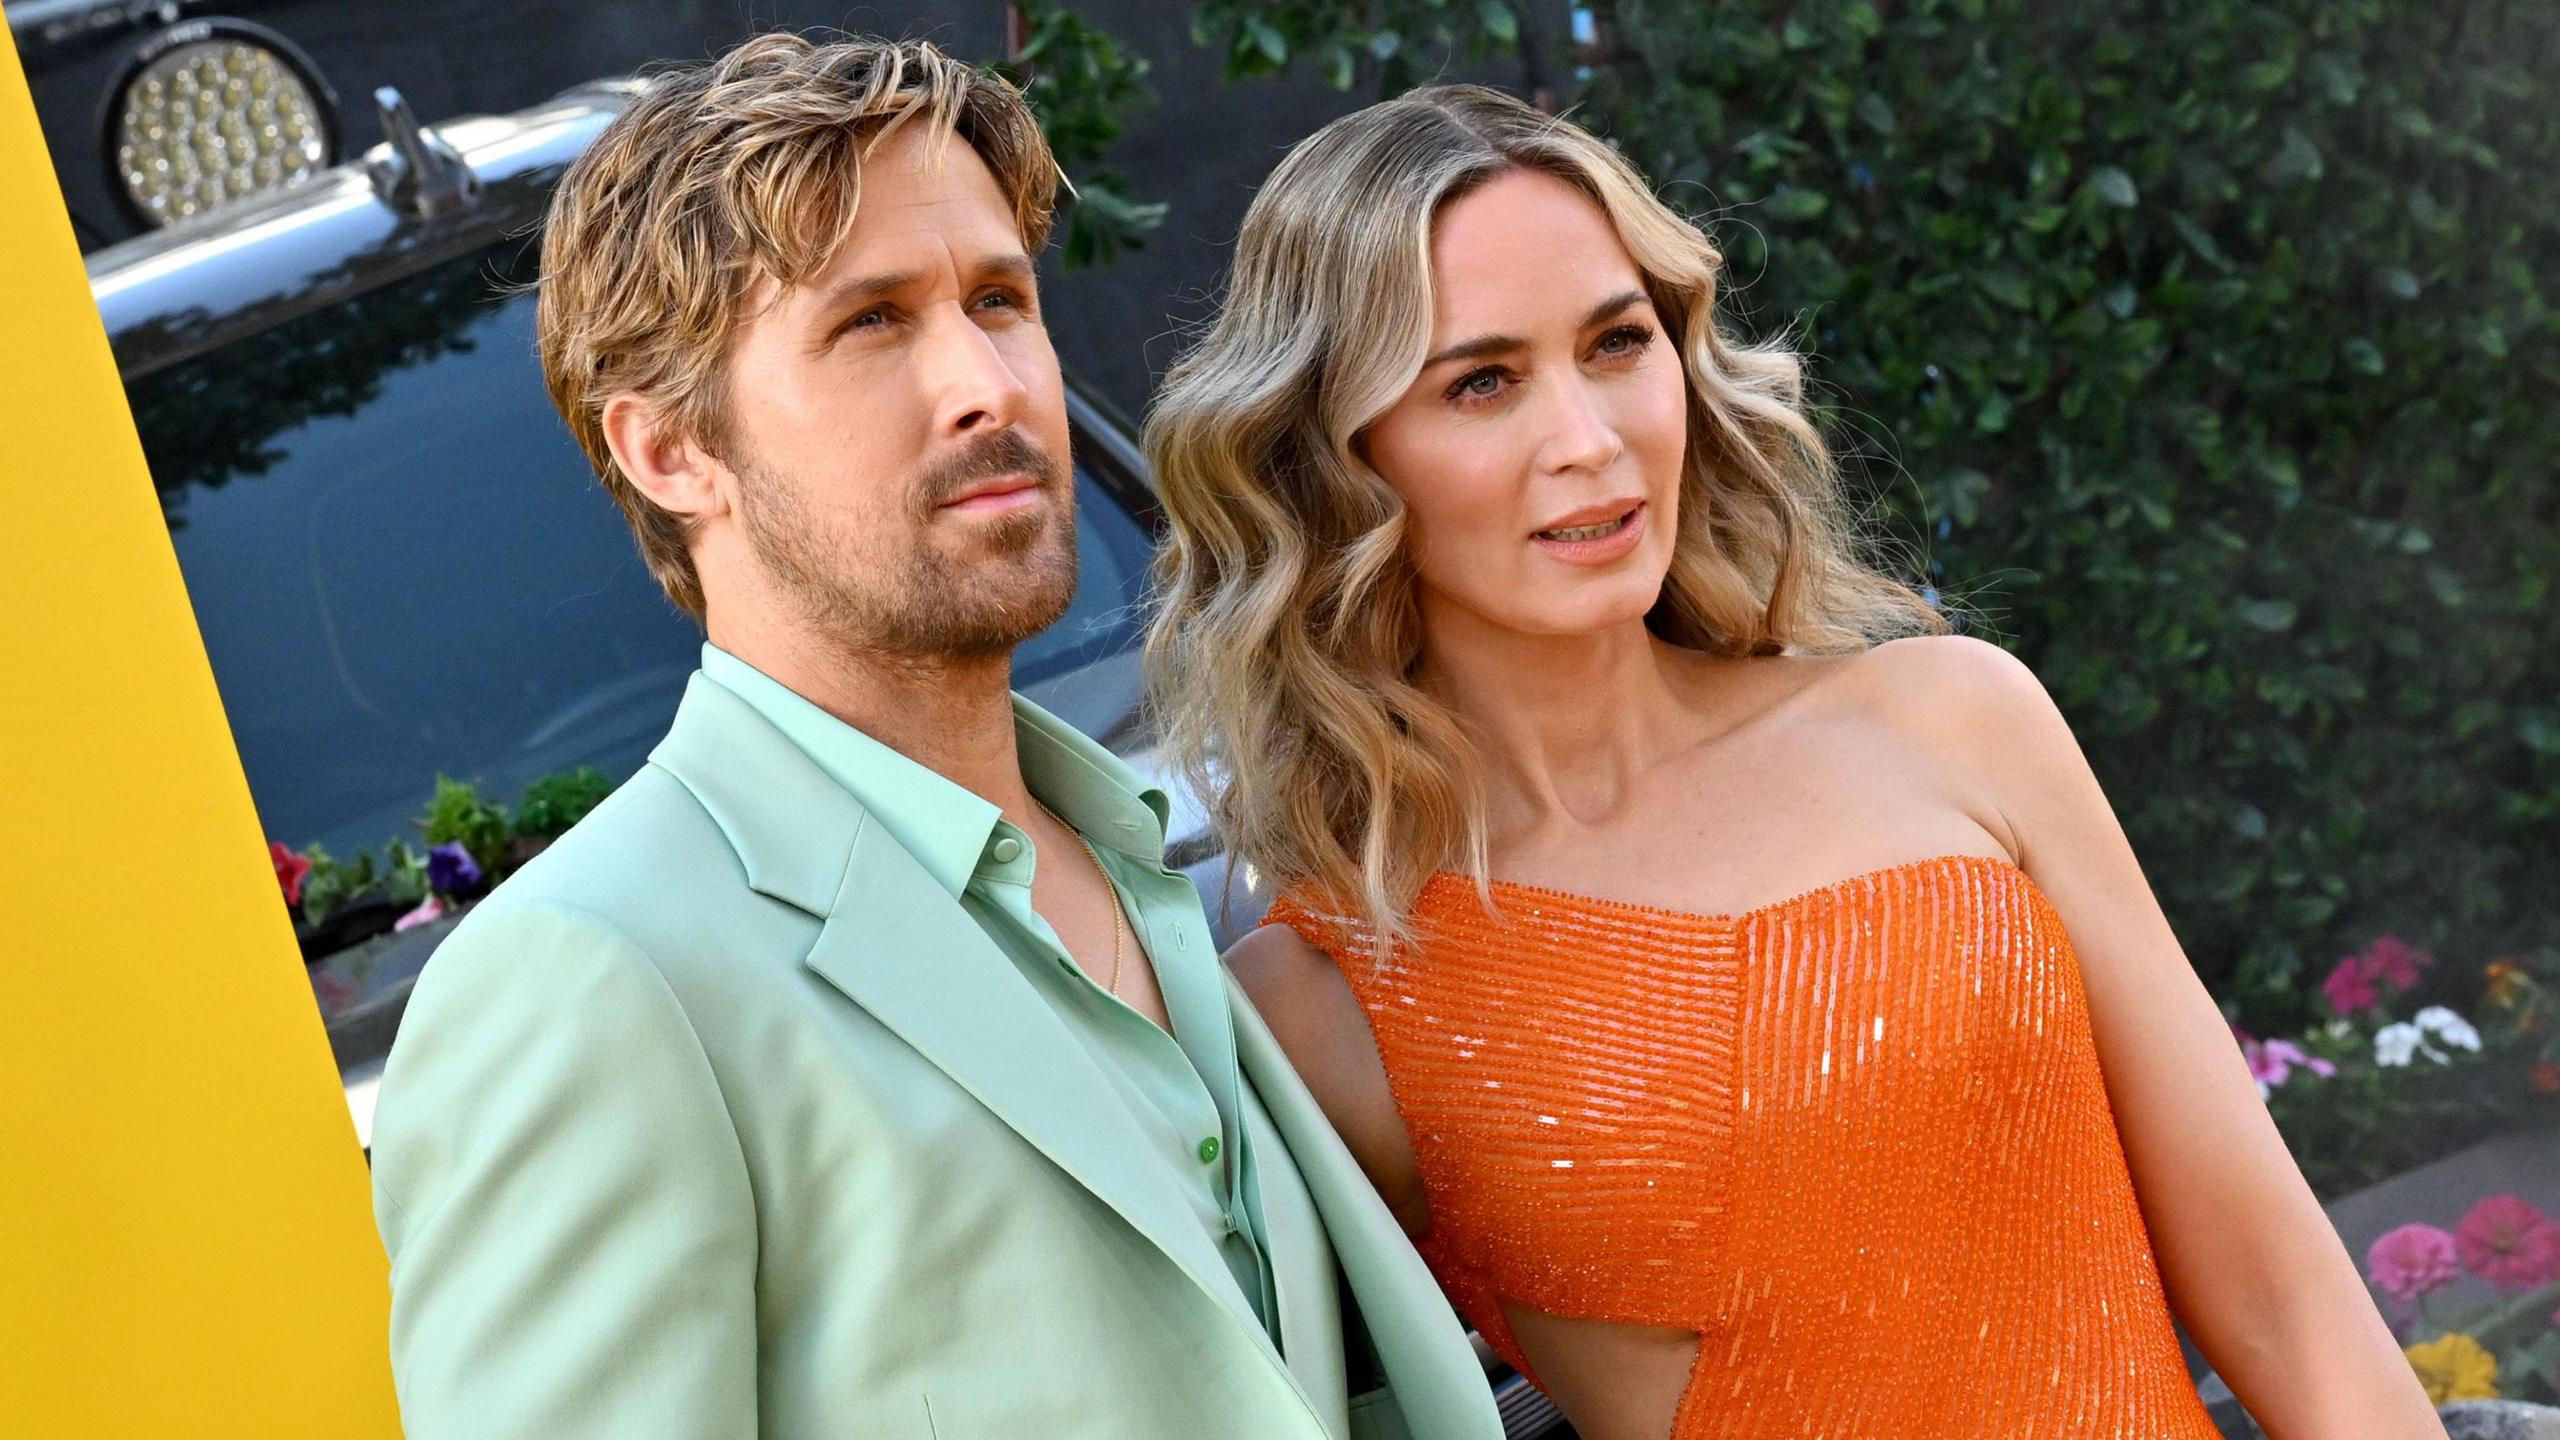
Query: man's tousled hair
[{"x": 720, "y": 176}]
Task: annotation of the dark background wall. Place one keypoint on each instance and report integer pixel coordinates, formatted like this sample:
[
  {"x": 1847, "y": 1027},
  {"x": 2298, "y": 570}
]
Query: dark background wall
[{"x": 1202, "y": 147}]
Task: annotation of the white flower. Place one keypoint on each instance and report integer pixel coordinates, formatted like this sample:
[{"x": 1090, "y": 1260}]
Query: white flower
[
  {"x": 2340, "y": 1029},
  {"x": 2394, "y": 1044},
  {"x": 2444, "y": 1025}
]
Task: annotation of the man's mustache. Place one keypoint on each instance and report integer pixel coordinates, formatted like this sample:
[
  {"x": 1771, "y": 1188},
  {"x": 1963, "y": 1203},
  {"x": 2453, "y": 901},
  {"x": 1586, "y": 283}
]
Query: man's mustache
[{"x": 1007, "y": 452}]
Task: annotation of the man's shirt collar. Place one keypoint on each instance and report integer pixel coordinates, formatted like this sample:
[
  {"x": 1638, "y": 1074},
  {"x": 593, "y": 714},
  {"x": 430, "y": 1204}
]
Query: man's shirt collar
[{"x": 946, "y": 827}]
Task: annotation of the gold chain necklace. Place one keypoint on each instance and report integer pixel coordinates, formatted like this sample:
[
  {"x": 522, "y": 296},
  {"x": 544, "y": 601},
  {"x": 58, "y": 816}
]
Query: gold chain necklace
[{"x": 1110, "y": 892}]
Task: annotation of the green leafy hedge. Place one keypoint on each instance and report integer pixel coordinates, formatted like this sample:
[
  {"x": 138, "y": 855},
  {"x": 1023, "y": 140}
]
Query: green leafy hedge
[
  {"x": 2206, "y": 349},
  {"x": 2210, "y": 347}
]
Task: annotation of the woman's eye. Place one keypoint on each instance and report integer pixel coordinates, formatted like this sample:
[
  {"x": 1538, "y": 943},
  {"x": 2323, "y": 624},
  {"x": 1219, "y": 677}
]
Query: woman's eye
[
  {"x": 1477, "y": 385},
  {"x": 1624, "y": 341}
]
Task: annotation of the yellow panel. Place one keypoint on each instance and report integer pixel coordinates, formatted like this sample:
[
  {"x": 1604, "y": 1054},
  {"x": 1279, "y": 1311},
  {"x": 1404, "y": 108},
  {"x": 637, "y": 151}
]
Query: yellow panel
[{"x": 186, "y": 1247}]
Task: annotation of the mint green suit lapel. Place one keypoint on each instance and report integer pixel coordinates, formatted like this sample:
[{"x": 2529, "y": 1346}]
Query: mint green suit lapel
[
  {"x": 1439, "y": 1383},
  {"x": 903, "y": 949},
  {"x": 898, "y": 945}
]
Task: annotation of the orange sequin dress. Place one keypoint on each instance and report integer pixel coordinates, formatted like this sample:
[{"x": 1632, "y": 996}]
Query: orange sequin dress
[{"x": 1857, "y": 1140}]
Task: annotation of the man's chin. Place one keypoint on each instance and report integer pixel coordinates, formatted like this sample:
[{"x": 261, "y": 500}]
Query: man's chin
[
  {"x": 1003, "y": 603},
  {"x": 981, "y": 634}
]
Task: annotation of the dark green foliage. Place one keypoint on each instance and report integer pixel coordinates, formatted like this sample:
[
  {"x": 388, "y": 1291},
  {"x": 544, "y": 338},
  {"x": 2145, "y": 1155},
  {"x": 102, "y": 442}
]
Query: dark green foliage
[
  {"x": 553, "y": 803},
  {"x": 1079, "y": 81},
  {"x": 498, "y": 843},
  {"x": 459, "y": 815},
  {"x": 1408, "y": 42},
  {"x": 401, "y": 879},
  {"x": 2211, "y": 347}
]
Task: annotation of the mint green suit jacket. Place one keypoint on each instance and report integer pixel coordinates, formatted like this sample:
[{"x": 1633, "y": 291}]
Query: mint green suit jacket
[{"x": 722, "y": 1118}]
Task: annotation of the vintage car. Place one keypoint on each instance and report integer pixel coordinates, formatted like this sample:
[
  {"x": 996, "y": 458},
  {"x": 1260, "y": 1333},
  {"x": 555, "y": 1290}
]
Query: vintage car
[{"x": 401, "y": 564}]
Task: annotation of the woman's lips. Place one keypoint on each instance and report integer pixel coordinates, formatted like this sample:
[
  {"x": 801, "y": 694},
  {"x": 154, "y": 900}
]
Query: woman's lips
[{"x": 1614, "y": 540}]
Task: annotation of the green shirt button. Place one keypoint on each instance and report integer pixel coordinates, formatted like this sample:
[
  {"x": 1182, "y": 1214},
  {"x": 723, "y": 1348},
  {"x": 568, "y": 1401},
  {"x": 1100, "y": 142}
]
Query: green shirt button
[
  {"x": 1209, "y": 1151},
  {"x": 1005, "y": 849}
]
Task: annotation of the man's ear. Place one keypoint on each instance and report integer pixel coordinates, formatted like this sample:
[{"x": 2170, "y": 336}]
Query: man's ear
[{"x": 677, "y": 475}]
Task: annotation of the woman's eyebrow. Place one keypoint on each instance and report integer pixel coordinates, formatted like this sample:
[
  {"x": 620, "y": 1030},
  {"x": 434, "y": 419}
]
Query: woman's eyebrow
[
  {"x": 1484, "y": 345},
  {"x": 1610, "y": 307}
]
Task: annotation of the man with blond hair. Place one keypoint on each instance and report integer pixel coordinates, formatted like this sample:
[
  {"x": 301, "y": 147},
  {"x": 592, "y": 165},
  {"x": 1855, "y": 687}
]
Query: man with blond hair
[{"x": 787, "y": 1095}]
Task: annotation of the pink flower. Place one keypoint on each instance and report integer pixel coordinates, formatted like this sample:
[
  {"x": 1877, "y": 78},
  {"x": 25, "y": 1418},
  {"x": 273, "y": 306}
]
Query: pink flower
[
  {"x": 2509, "y": 1243},
  {"x": 428, "y": 909},
  {"x": 2362, "y": 979},
  {"x": 2272, "y": 1062},
  {"x": 2391, "y": 961},
  {"x": 2412, "y": 1261},
  {"x": 2350, "y": 987}
]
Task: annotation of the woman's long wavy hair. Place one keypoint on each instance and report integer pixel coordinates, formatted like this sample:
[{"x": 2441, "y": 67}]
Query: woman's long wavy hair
[{"x": 1286, "y": 640}]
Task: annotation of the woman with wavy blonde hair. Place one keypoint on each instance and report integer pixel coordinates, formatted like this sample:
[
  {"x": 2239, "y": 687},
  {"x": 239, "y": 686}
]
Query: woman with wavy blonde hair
[{"x": 1513, "y": 624}]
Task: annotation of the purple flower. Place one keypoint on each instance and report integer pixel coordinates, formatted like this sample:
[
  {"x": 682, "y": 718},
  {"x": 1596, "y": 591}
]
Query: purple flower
[{"x": 450, "y": 869}]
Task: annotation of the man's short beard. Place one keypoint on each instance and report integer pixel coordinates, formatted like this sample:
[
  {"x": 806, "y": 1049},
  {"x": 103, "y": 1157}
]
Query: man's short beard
[{"x": 915, "y": 604}]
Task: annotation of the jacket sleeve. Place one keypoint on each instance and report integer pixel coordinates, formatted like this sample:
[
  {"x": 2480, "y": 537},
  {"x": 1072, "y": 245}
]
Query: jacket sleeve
[{"x": 562, "y": 1192}]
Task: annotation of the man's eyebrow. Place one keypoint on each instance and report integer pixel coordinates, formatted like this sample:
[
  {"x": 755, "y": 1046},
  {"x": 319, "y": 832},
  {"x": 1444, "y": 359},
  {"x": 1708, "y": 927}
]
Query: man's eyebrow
[
  {"x": 865, "y": 287},
  {"x": 1484, "y": 345},
  {"x": 1008, "y": 267},
  {"x": 861, "y": 288}
]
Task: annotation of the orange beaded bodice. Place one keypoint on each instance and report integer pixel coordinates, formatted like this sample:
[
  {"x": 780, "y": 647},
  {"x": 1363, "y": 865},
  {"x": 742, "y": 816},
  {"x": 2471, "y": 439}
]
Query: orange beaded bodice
[{"x": 1857, "y": 1140}]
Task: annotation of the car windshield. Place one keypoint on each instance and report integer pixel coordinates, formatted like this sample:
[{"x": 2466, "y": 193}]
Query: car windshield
[{"x": 403, "y": 567}]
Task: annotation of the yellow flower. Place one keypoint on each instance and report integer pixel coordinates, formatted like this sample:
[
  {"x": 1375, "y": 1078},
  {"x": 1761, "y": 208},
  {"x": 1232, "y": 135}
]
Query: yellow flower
[
  {"x": 2455, "y": 1368},
  {"x": 2506, "y": 983}
]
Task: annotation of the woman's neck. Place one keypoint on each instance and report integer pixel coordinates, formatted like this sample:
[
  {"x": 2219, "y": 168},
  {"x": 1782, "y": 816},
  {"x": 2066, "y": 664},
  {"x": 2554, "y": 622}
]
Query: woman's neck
[{"x": 1568, "y": 727}]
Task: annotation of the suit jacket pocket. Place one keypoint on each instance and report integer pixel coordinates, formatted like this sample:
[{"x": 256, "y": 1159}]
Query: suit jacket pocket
[{"x": 1376, "y": 1416}]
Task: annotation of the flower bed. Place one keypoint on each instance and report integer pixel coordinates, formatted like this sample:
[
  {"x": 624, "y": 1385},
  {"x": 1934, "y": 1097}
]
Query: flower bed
[
  {"x": 2417, "y": 1060},
  {"x": 2505, "y": 1345},
  {"x": 468, "y": 845}
]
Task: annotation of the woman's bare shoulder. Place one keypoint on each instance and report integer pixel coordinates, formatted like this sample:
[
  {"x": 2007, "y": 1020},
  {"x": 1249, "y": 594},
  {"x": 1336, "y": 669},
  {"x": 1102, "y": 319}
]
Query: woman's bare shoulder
[
  {"x": 1956, "y": 697},
  {"x": 1314, "y": 1014},
  {"x": 1947, "y": 674},
  {"x": 1295, "y": 986}
]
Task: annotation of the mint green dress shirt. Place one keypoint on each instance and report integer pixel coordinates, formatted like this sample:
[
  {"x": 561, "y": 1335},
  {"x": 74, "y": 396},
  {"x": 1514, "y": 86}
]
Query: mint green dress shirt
[{"x": 1172, "y": 1085}]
